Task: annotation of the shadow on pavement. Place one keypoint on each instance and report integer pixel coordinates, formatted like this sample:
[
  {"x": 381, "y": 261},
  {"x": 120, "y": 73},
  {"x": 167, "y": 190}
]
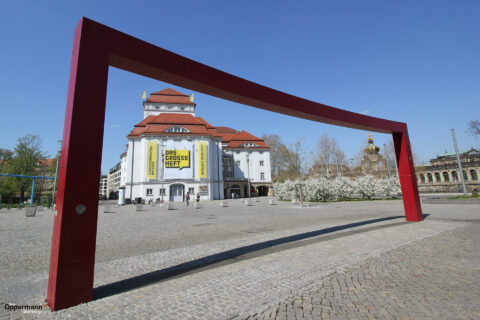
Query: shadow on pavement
[{"x": 240, "y": 254}]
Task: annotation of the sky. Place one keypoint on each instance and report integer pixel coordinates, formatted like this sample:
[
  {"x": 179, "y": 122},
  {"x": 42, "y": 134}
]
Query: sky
[{"x": 410, "y": 61}]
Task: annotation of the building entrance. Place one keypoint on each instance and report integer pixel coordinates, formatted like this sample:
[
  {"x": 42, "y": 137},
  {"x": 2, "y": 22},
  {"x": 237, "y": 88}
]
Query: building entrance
[
  {"x": 176, "y": 192},
  {"x": 235, "y": 191}
]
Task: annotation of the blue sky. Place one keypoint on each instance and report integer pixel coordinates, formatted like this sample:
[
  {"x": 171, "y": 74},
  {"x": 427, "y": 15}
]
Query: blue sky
[{"x": 411, "y": 61}]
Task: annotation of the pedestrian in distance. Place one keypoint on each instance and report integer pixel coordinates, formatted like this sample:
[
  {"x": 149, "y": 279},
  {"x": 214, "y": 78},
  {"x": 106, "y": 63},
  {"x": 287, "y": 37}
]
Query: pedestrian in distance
[
  {"x": 198, "y": 196},
  {"x": 187, "y": 198}
]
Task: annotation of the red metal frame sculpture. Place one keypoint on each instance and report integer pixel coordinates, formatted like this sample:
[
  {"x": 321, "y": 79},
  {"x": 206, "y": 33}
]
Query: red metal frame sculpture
[{"x": 95, "y": 48}]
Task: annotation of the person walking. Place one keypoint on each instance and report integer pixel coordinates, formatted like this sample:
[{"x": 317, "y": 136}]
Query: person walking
[
  {"x": 187, "y": 198},
  {"x": 198, "y": 196}
]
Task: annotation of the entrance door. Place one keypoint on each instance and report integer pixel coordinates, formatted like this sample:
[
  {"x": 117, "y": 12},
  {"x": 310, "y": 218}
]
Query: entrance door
[{"x": 176, "y": 193}]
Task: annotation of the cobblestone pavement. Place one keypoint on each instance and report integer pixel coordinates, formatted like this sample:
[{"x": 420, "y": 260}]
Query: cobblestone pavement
[
  {"x": 258, "y": 262},
  {"x": 436, "y": 278}
]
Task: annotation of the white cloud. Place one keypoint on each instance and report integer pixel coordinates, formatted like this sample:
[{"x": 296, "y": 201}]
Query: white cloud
[{"x": 366, "y": 111}]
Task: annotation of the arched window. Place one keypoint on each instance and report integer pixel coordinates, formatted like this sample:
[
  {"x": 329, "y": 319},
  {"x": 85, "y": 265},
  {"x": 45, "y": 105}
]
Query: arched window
[
  {"x": 445, "y": 176},
  {"x": 178, "y": 130},
  {"x": 437, "y": 177},
  {"x": 465, "y": 176},
  {"x": 422, "y": 178},
  {"x": 454, "y": 176},
  {"x": 473, "y": 173},
  {"x": 429, "y": 177}
]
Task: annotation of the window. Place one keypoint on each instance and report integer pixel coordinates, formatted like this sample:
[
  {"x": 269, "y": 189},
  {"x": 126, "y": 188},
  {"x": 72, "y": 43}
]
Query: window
[
  {"x": 191, "y": 190},
  {"x": 429, "y": 177},
  {"x": 437, "y": 177},
  {"x": 445, "y": 176},
  {"x": 249, "y": 145},
  {"x": 178, "y": 130},
  {"x": 161, "y": 192},
  {"x": 465, "y": 177},
  {"x": 262, "y": 175},
  {"x": 454, "y": 176},
  {"x": 422, "y": 178},
  {"x": 149, "y": 192},
  {"x": 261, "y": 163},
  {"x": 238, "y": 163},
  {"x": 473, "y": 173}
]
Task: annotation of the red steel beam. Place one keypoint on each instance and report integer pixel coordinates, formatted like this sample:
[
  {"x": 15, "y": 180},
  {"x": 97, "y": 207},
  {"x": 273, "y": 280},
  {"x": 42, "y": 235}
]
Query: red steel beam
[{"x": 95, "y": 48}]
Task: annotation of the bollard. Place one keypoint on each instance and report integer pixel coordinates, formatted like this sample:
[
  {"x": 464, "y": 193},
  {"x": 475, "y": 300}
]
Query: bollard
[
  {"x": 39, "y": 208},
  {"x": 223, "y": 203},
  {"x": 294, "y": 201},
  {"x": 271, "y": 202},
  {"x": 139, "y": 207},
  {"x": 248, "y": 202},
  {"x": 171, "y": 206},
  {"x": 31, "y": 212},
  {"x": 197, "y": 205}
]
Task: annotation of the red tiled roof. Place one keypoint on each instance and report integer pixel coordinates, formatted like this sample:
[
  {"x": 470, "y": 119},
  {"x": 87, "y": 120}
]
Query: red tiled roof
[
  {"x": 156, "y": 125},
  {"x": 226, "y": 130},
  {"x": 238, "y": 145},
  {"x": 245, "y": 136},
  {"x": 46, "y": 162},
  {"x": 169, "y": 95}
]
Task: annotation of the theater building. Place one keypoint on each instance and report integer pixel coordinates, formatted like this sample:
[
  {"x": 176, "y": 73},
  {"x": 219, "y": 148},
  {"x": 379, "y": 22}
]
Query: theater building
[{"x": 172, "y": 152}]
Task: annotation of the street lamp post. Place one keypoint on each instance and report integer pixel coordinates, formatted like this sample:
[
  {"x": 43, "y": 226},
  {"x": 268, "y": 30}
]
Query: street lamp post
[
  {"x": 459, "y": 163},
  {"x": 54, "y": 195},
  {"x": 163, "y": 172},
  {"x": 248, "y": 171}
]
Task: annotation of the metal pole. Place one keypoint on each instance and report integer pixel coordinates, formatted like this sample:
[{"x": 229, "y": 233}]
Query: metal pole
[
  {"x": 132, "y": 200},
  {"x": 386, "y": 158},
  {"x": 33, "y": 192},
  {"x": 54, "y": 195},
  {"x": 459, "y": 163},
  {"x": 163, "y": 171},
  {"x": 248, "y": 171}
]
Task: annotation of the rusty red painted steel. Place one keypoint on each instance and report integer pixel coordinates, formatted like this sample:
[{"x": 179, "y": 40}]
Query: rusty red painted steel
[{"x": 95, "y": 48}]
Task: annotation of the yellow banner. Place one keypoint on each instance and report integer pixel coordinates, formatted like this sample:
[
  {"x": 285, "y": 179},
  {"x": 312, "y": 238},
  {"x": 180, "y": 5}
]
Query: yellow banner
[
  {"x": 202, "y": 159},
  {"x": 177, "y": 159},
  {"x": 152, "y": 160}
]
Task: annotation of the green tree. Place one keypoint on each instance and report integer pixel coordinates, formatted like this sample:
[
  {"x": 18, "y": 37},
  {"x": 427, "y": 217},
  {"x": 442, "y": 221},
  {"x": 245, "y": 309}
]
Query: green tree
[
  {"x": 28, "y": 153},
  {"x": 8, "y": 186}
]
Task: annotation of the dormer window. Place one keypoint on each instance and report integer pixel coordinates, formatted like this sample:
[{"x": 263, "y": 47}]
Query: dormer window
[
  {"x": 249, "y": 145},
  {"x": 178, "y": 130}
]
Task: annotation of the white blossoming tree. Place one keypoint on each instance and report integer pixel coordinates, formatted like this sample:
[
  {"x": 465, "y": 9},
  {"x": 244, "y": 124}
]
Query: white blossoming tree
[{"x": 341, "y": 188}]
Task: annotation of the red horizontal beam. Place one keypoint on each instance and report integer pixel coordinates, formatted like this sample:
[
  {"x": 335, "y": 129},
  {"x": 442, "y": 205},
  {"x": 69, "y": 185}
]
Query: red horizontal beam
[{"x": 140, "y": 57}]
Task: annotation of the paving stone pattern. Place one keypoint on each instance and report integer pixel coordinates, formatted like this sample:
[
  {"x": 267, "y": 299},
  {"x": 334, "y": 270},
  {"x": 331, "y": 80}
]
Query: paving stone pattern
[
  {"x": 388, "y": 269},
  {"x": 436, "y": 278}
]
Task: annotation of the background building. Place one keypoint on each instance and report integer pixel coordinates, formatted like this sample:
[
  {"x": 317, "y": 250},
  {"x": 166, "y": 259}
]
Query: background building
[
  {"x": 442, "y": 174},
  {"x": 172, "y": 152},
  {"x": 113, "y": 181},
  {"x": 103, "y": 186}
]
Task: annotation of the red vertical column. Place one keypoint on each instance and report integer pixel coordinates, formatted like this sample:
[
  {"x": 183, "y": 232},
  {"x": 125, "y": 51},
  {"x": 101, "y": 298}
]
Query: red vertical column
[
  {"x": 408, "y": 180},
  {"x": 75, "y": 223}
]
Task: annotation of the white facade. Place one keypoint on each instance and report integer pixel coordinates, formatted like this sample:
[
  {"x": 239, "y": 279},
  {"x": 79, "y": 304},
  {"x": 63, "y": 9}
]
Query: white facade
[
  {"x": 169, "y": 131},
  {"x": 251, "y": 164},
  {"x": 103, "y": 186},
  {"x": 137, "y": 185}
]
